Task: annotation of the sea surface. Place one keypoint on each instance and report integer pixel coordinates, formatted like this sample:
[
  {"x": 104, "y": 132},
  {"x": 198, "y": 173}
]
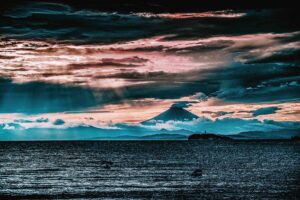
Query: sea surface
[{"x": 149, "y": 170}]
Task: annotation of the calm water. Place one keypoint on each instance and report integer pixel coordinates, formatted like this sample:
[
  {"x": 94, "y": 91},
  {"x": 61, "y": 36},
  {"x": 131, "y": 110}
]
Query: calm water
[{"x": 149, "y": 170}]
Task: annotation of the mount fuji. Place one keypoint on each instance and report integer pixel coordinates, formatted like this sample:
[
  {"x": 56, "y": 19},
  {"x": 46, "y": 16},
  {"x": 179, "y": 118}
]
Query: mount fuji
[{"x": 174, "y": 113}]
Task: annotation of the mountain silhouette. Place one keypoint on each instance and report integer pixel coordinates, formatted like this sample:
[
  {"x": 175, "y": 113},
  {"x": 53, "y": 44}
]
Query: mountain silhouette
[{"x": 174, "y": 113}]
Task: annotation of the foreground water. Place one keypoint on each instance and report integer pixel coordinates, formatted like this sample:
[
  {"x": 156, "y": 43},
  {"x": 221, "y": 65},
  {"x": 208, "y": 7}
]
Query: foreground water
[{"x": 149, "y": 170}]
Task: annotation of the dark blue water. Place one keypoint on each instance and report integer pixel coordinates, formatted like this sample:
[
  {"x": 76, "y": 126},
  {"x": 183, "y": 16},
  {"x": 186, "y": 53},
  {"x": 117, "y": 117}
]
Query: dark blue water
[{"x": 149, "y": 170}]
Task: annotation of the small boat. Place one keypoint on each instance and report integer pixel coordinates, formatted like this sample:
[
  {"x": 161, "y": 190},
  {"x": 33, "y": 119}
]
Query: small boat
[
  {"x": 106, "y": 164},
  {"x": 197, "y": 172}
]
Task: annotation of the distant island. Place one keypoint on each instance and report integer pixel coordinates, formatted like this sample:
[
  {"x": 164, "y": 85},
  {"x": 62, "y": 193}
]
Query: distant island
[
  {"x": 208, "y": 136},
  {"x": 295, "y": 138}
]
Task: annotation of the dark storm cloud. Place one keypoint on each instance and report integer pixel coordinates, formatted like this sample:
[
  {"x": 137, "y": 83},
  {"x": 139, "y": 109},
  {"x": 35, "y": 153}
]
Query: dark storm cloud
[
  {"x": 256, "y": 83},
  {"x": 265, "y": 111},
  {"x": 258, "y": 79},
  {"x": 6, "y": 57},
  {"x": 22, "y": 121},
  {"x": 258, "y": 21},
  {"x": 142, "y": 76},
  {"x": 285, "y": 56},
  {"x": 157, "y": 6},
  {"x": 237, "y": 83},
  {"x": 58, "y": 122},
  {"x": 111, "y": 62},
  {"x": 134, "y": 59},
  {"x": 37, "y": 97},
  {"x": 42, "y": 120},
  {"x": 159, "y": 90},
  {"x": 289, "y": 125},
  {"x": 63, "y": 22}
]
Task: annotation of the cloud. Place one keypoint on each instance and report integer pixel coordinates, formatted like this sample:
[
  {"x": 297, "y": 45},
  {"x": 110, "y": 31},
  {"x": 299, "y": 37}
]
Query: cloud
[
  {"x": 10, "y": 126},
  {"x": 255, "y": 83},
  {"x": 265, "y": 111},
  {"x": 65, "y": 23},
  {"x": 209, "y": 14},
  {"x": 287, "y": 124},
  {"x": 226, "y": 126},
  {"x": 168, "y": 56},
  {"x": 181, "y": 104},
  {"x": 69, "y": 23},
  {"x": 58, "y": 122},
  {"x": 130, "y": 62},
  {"x": 234, "y": 83},
  {"x": 42, "y": 120},
  {"x": 217, "y": 114},
  {"x": 38, "y": 97},
  {"x": 291, "y": 56},
  {"x": 39, "y": 120},
  {"x": 199, "y": 96},
  {"x": 6, "y": 57},
  {"x": 139, "y": 76},
  {"x": 22, "y": 121}
]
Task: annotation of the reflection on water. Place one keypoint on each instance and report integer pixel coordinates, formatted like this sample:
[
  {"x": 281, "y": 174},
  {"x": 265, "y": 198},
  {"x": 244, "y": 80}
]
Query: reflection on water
[{"x": 149, "y": 169}]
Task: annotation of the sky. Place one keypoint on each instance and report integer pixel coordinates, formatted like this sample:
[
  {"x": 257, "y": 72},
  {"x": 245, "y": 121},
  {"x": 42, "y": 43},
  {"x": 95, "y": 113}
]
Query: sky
[{"x": 66, "y": 65}]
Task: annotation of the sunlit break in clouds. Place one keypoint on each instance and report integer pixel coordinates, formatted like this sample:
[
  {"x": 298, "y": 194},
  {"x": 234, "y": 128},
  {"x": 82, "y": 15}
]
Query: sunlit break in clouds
[{"x": 118, "y": 70}]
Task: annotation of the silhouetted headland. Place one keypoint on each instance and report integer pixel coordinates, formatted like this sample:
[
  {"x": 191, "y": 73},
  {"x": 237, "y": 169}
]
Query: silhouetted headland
[
  {"x": 207, "y": 136},
  {"x": 295, "y": 138}
]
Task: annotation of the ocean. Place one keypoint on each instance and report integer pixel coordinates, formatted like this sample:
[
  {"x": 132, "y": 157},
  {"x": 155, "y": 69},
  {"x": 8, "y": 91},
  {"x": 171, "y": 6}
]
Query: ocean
[{"x": 149, "y": 170}]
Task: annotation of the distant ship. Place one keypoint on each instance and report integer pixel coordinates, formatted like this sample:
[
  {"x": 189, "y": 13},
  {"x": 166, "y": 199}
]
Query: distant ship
[{"x": 174, "y": 113}]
